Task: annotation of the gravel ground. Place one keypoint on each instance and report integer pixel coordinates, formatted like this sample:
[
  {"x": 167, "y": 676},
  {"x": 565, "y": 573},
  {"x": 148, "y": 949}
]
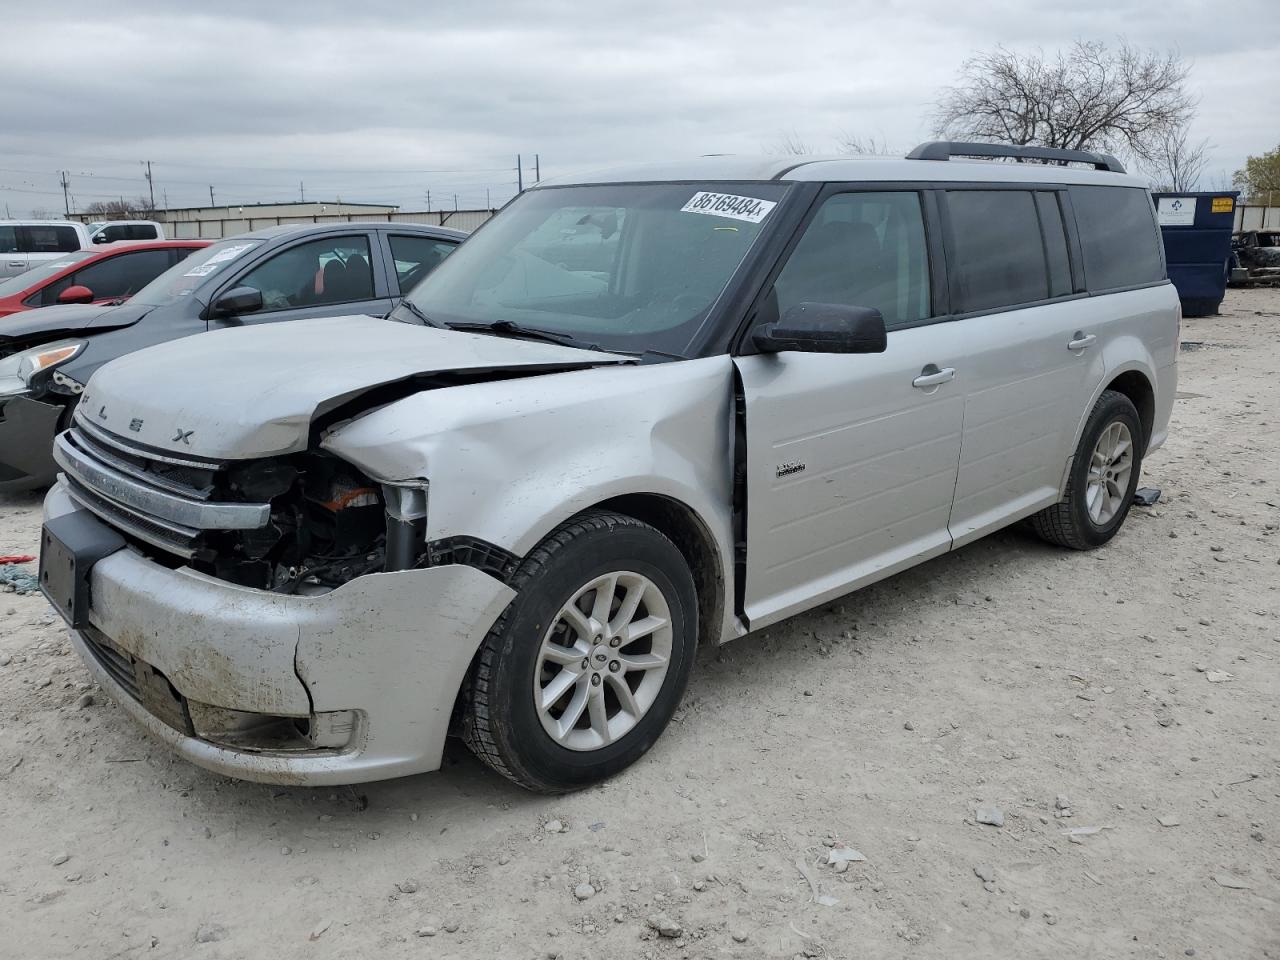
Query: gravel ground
[{"x": 1129, "y": 694}]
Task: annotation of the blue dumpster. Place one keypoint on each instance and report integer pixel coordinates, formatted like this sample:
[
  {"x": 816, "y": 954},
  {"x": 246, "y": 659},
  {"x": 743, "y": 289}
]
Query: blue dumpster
[{"x": 1197, "y": 246}]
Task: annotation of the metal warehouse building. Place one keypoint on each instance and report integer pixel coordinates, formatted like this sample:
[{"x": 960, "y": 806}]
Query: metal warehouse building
[{"x": 190, "y": 223}]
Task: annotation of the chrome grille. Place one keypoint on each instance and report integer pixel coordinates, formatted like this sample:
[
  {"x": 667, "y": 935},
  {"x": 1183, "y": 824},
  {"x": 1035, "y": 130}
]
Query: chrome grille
[{"x": 165, "y": 501}]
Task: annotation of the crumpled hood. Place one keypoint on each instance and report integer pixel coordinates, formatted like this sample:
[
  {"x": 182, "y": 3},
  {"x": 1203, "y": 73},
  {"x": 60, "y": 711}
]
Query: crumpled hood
[
  {"x": 247, "y": 392},
  {"x": 48, "y": 323}
]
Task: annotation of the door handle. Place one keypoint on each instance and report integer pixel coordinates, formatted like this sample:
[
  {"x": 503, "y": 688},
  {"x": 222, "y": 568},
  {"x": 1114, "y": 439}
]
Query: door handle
[
  {"x": 1081, "y": 341},
  {"x": 17, "y": 263},
  {"x": 931, "y": 376}
]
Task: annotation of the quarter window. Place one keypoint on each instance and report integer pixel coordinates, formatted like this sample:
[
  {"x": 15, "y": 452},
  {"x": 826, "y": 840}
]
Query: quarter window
[
  {"x": 336, "y": 270},
  {"x": 862, "y": 250},
  {"x": 415, "y": 257},
  {"x": 8, "y": 240},
  {"x": 998, "y": 258},
  {"x": 1118, "y": 236}
]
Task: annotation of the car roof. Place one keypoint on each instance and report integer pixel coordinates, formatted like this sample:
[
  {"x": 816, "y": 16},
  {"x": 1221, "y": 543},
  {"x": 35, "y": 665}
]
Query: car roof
[
  {"x": 294, "y": 229},
  {"x": 41, "y": 223},
  {"x": 117, "y": 245},
  {"x": 837, "y": 169}
]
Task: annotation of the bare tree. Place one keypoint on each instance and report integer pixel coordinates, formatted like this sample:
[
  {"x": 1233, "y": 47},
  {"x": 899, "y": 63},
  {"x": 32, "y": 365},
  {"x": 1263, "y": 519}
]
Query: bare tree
[
  {"x": 1177, "y": 164},
  {"x": 122, "y": 209},
  {"x": 790, "y": 142},
  {"x": 44, "y": 213},
  {"x": 862, "y": 146},
  {"x": 1123, "y": 100}
]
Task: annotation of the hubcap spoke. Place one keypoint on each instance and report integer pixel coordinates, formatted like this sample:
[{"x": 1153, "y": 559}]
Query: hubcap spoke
[
  {"x": 626, "y": 699},
  {"x": 573, "y": 712},
  {"x": 627, "y": 611},
  {"x": 554, "y": 690},
  {"x": 566, "y": 656},
  {"x": 642, "y": 628},
  {"x": 577, "y": 621},
  {"x": 642, "y": 661},
  {"x": 599, "y": 715},
  {"x": 605, "y": 589}
]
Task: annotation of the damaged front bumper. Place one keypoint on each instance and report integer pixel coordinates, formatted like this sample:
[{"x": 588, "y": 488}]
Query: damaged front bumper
[
  {"x": 368, "y": 672},
  {"x": 27, "y": 429}
]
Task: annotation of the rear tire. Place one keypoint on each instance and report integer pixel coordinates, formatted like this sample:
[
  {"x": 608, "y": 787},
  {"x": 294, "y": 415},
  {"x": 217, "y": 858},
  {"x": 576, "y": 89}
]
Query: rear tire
[
  {"x": 1104, "y": 474},
  {"x": 583, "y": 670}
]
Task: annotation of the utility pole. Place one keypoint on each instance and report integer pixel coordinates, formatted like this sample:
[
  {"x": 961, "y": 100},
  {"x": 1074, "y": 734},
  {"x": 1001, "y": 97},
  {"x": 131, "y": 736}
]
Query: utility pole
[
  {"x": 211, "y": 194},
  {"x": 455, "y": 203},
  {"x": 487, "y": 204},
  {"x": 428, "y": 200},
  {"x": 537, "y": 170},
  {"x": 302, "y": 193},
  {"x": 66, "y": 198},
  {"x": 519, "y": 176},
  {"x": 151, "y": 187}
]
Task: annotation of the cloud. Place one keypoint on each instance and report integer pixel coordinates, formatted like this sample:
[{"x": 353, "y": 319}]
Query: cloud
[{"x": 383, "y": 101}]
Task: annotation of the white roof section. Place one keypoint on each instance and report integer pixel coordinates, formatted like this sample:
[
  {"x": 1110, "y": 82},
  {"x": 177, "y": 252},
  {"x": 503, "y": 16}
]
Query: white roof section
[{"x": 845, "y": 169}]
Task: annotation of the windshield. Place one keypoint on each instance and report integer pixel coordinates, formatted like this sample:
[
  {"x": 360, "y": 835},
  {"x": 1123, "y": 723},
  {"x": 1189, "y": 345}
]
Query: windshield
[
  {"x": 629, "y": 267},
  {"x": 183, "y": 279},
  {"x": 37, "y": 275}
]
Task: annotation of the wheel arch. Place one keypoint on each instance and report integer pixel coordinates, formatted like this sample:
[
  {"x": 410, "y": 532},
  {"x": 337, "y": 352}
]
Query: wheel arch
[
  {"x": 682, "y": 525},
  {"x": 1137, "y": 386}
]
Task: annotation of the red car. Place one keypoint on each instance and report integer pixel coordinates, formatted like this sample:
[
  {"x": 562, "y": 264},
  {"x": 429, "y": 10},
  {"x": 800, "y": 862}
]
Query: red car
[{"x": 109, "y": 272}]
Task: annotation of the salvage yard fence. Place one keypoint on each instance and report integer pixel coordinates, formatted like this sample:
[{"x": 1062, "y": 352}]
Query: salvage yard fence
[{"x": 467, "y": 220}]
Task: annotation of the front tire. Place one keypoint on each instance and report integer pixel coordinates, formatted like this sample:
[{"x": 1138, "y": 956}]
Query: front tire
[
  {"x": 1104, "y": 474},
  {"x": 583, "y": 670}
]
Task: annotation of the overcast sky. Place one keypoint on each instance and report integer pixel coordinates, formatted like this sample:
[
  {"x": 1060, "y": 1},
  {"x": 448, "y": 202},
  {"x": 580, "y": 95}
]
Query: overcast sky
[{"x": 380, "y": 101}]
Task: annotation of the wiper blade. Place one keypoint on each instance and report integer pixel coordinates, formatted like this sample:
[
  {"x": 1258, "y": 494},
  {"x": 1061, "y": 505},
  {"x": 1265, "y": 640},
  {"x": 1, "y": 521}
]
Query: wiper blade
[
  {"x": 532, "y": 333},
  {"x": 416, "y": 311}
]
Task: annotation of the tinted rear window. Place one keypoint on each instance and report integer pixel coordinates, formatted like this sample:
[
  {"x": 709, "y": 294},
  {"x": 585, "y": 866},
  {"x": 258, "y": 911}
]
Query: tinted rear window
[
  {"x": 999, "y": 257},
  {"x": 48, "y": 239},
  {"x": 1118, "y": 236}
]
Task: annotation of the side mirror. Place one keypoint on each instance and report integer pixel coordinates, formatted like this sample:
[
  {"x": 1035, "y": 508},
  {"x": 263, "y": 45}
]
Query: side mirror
[
  {"x": 100, "y": 238},
  {"x": 824, "y": 328},
  {"x": 76, "y": 294},
  {"x": 237, "y": 300}
]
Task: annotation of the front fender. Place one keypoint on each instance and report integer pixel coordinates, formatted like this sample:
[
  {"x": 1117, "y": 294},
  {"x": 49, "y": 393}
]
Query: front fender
[{"x": 509, "y": 460}]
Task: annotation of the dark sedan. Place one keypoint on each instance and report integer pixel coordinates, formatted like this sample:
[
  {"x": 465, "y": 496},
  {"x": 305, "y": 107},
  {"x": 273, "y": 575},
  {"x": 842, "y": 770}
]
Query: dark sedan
[{"x": 282, "y": 273}]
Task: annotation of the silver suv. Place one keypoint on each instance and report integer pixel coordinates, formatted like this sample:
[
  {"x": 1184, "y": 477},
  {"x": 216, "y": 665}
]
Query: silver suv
[{"x": 635, "y": 411}]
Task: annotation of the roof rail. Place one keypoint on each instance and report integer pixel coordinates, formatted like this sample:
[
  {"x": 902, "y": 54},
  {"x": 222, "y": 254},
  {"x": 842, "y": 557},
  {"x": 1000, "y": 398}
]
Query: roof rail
[{"x": 946, "y": 149}]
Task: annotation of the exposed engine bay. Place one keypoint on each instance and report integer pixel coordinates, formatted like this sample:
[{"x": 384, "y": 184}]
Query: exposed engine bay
[{"x": 328, "y": 525}]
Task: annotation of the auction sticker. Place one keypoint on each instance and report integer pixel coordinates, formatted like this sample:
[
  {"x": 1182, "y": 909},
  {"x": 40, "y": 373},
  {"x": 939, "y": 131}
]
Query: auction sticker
[{"x": 729, "y": 205}]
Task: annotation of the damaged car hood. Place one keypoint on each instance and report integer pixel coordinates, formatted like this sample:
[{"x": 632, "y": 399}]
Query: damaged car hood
[
  {"x": 241, "y": 393},
  {"x": 50, "y": 323}
]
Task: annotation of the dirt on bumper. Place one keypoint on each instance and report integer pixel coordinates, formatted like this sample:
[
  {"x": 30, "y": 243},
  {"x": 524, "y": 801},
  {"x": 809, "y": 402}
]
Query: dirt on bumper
[{"x": 395, "y": 647}]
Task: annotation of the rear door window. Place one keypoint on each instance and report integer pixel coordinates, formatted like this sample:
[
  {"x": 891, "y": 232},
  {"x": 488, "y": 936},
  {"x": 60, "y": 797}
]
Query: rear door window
[
  {"x": 334, "y": 270},
  {"x": 48, "y": 239},
  {"x": 415, "y": 257},
  {"x": 862, "y": 250},
  {"x": 998, "y": 257},
  {"x": 114, "y": 278},
  {"x": 8, "y": 239},
  {"x": 1118, "y": 236}
]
